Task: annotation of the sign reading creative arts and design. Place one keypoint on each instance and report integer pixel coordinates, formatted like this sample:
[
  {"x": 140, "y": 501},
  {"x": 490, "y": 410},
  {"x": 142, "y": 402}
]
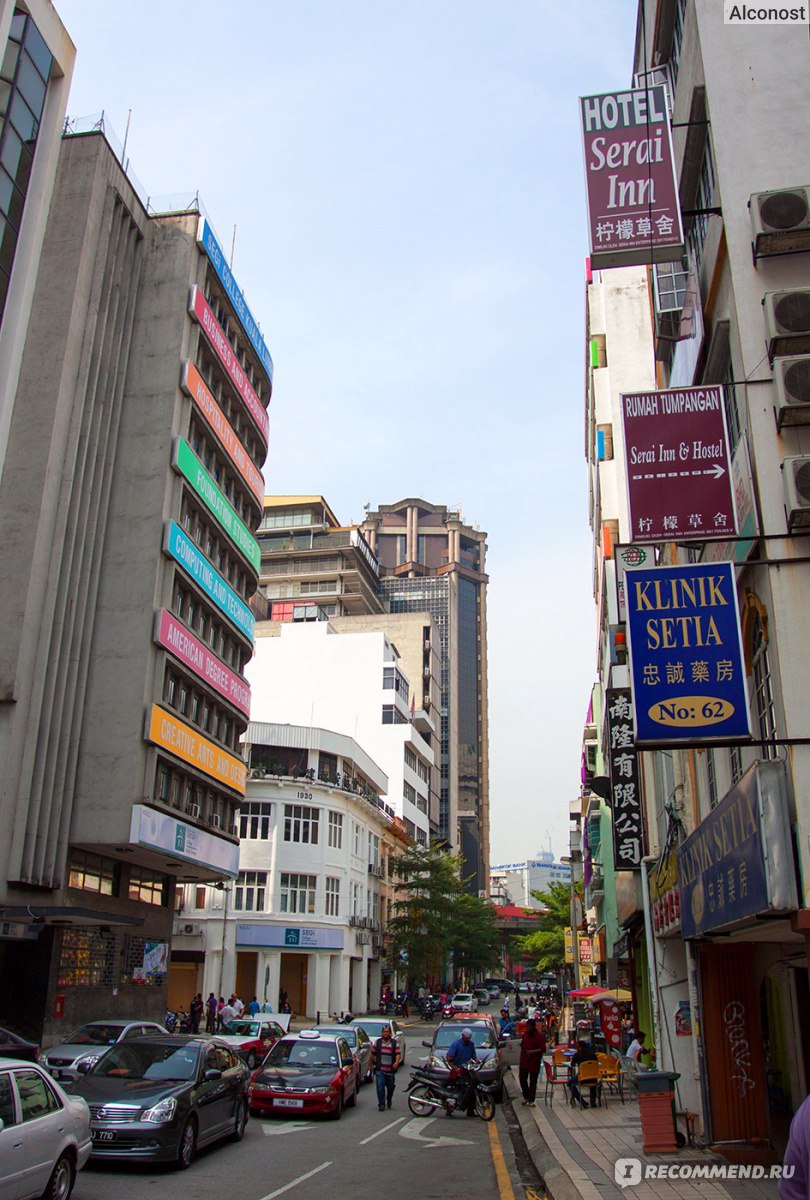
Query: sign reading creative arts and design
[
  {"x": 625, "y": 794},
  {"x": 163, "y": 729},
  {"x": 686, "y": 656},
  {"x": 678, "y": 465},
  {"x": 633, "y": 211}
]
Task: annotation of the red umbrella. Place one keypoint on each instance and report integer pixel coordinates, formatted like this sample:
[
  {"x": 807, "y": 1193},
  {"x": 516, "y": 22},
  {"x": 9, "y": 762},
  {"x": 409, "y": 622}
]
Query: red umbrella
[{"x": 584, "y": 993}]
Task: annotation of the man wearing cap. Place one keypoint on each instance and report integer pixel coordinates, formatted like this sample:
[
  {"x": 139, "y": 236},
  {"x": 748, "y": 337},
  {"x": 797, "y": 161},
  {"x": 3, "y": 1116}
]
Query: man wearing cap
[{"x": 460, "y": 1054}]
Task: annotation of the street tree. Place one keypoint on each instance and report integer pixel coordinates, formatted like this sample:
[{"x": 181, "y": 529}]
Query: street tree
[
  {"x": 475, "y": 939},
  {"x": 420, "y": 931},
  {"x": 545, "y": 945}
]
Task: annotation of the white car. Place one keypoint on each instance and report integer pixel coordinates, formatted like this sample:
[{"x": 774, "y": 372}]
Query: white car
[
  {"x": 463, "y": 1002},
  {"x": 44, "y": 1134},
  {"x": 86, "y": 1045}
]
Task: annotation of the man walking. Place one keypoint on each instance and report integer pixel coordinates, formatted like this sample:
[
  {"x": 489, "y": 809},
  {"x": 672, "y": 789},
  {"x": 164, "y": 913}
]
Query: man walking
[
  {"x": 386, "y": 1061},
  {"x": 532, "y": 1049}
]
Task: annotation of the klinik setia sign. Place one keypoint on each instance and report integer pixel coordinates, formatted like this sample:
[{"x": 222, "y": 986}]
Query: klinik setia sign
[{"x": 633, "y": 211}]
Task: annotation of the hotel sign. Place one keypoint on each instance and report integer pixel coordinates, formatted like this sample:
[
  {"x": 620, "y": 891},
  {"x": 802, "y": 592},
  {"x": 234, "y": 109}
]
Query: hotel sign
[
  {"x": 164, "y": 730},
  {"x": 194, "y": 386},
  {"x": 203, "y": 314},
  {"x": 634, "y": 215},
  {"x": 189, "y": 650},
  {"x": 678, "y": 465},
  {"x": 186, "y": 462},
  {"x": 208, "y": 242},
  {"x": 686, "y": 656},
  {"x": 182, "y": 550}
]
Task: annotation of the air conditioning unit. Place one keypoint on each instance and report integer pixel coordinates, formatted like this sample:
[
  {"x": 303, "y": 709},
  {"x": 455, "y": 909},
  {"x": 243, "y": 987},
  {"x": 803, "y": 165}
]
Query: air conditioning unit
[
  {"x": 791, "y": 377},
  {"x": 787, "y": 322},
  {"x": 191, "y": 930},
  {"x": 193, "y": 810},
  {"x": 796, "y": 478},
  {"x": 590, "y": 751},
  {"x": 780, "y": 221},
  {"x": 215, "y": 820}
]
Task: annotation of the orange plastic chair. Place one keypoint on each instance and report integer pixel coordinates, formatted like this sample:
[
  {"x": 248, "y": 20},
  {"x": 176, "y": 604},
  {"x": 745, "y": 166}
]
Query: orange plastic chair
[
  {"x": 551, "y": 1082},
  {"x": 611, "y": 1074},
  {"x": 588, "y": 1076},
  {"x": 558, "y": 1060}
]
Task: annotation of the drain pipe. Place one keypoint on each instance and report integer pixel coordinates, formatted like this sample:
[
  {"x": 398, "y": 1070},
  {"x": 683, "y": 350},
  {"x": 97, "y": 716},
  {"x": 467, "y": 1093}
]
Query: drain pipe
[{"x": 652, "y": 960}]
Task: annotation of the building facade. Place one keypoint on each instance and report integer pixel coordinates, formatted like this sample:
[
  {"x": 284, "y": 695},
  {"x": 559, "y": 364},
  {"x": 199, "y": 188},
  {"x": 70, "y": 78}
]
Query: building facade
[{"x": 517, "y": 881}]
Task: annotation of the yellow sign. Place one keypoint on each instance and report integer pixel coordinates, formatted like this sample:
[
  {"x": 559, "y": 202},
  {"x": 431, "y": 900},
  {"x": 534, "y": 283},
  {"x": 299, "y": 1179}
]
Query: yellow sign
[
  {"x": 569, "y": 945},
  {"x": 184, "y": 742}
]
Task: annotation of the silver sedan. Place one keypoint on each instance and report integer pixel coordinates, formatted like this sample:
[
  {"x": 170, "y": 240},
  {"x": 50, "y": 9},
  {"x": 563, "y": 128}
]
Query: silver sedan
[{"x": 44, "y": 1134}]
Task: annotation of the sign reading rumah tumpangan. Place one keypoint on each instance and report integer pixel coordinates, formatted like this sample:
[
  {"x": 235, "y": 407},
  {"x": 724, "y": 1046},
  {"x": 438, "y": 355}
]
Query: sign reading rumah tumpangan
[{"x": 633, "y": 211}]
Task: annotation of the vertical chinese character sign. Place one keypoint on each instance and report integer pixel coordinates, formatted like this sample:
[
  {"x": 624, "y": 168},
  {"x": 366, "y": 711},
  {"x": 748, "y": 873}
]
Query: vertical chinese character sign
[
  {"x": 624, "y": 783},
  {"x": 633, "y": 211},
  {"x": 686, "y": 656}
]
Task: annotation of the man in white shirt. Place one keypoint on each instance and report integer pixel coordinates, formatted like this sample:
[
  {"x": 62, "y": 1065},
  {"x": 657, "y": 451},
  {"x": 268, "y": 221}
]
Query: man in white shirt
[
  {"x": 226, "y": 1013},
  {"x": 636, "y": 1047},
  {"x": 238, "y": 1006}
]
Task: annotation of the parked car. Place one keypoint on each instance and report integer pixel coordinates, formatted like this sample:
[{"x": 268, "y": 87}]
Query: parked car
[
  {"x": 44, "y": 1134},
  {"x": 463, "y": 1002},
  {"x": 157, "y": 1099},
  {"x": 251, "y": 1037},
  {"x": 306, "y": 1073},
  {"x": 494, "y": 992},
  {"x": 359, "y": 1043},
  {"x": 14, "y": 1046},
  {"x": 374, "y": 1026},
  {"x": 487, "y": 1048},
  {"x": 87, "y": 1044}
]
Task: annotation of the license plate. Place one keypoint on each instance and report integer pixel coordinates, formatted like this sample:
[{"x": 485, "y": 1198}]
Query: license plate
[
  {"x": 277, "y": 1103},
  {"x": 102, "y": 1135}
]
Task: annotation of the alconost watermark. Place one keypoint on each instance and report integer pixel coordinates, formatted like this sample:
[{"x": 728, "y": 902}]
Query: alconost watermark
[
  {"x": 764, "y": 14},
  {"x": 629, "y": 1172}
]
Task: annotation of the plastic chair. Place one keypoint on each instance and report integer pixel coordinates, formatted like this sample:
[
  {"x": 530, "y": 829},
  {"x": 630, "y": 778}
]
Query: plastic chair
[
  {"x": 551, "y": 1082},
  {"x": 558, "y": 1060},
  {"x": 589, "y": 1076},
  {"x": 611, "y": 1074}
]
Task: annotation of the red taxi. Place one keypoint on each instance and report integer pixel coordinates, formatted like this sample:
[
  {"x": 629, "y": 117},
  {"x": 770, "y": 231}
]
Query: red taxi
[{"x": 304, "y": 1074}]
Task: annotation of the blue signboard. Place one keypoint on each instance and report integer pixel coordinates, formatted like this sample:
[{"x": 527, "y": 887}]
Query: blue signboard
[
  {"x": 686, "y": 657},
  {"x": 183, "y": 550},
  {"x": 206, "y": 239}
]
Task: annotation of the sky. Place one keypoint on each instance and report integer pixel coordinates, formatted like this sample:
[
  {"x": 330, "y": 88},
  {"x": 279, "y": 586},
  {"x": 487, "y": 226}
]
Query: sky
[{"x": 401, "y": 183}]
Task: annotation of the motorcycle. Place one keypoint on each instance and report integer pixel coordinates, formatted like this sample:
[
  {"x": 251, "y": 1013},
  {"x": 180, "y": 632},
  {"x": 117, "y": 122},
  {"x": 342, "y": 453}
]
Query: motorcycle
[
  {"x": 427, "y": 1008},
  {"x": 448, "y": 1012},
  {"x": 426, "y": 1094}
]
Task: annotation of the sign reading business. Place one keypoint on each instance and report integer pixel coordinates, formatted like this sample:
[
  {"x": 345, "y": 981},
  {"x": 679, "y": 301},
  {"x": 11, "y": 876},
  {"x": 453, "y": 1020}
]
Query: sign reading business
[
  {"x": 686, "y": 657},
  {"x": 208, "y": 242},
  {"x": 679, "y": 480},
  {"x": 633, "y": 211}
]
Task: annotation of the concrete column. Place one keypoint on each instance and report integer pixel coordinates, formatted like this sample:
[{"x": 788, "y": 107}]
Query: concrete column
[
  {"x": 270, "y": 966},
  {"x": 374, "y": 983},
  {"x": 339, "y": 983},
  {"x": 318, "y": 985},
  {"x": 358, "y": 984}
]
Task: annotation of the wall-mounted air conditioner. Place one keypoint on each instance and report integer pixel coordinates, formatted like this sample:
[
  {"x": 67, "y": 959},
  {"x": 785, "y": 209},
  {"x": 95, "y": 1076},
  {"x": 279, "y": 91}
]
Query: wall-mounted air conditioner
[
  {"x": 791, "y": 377},
  {"x": 215, "y": 820},
  {"x": 796, "y": 479},
  {"x": 787, "y": 322},
  {"x": 193, "y": 810},
  {"x": 780, "y": 221},
  {"x": 191, "y": 930}
]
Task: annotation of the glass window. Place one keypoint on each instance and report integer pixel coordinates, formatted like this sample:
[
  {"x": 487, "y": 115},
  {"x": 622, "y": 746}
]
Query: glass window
[
  {"x": 31, "y": 85},
  {"x": 36, "y": 1097},
  {"x": 22, "y": 118},
  {"x": 297, "y": 893},
  {"x": 301, "y": 823},
  {"x": 332, "y": 896},
  {"x": 148, "y": 887},
  {"x": 250, "y": 891},
  {"x": 336, "y": 830},
  {"x": 763, "y": 687},
  {"x": 93, "y": 873},
  {"x": 39, "y": 52},
  {"x": 8, "y": 1113},
  {"x": 254, "y": 820}
]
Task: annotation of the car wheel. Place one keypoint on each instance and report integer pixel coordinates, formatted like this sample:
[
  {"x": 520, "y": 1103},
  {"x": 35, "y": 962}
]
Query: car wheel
[
  {"x": 351, "y": 1103},
  {"x": 63, "y": 1176},
  {"x": 188, "y": 1144},
  {"x": 338, "y": 1113},
  {"x": 239, "y": 1123}
]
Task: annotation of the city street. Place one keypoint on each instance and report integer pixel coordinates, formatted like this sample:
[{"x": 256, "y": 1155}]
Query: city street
[{"x": 364, "y": 1153}]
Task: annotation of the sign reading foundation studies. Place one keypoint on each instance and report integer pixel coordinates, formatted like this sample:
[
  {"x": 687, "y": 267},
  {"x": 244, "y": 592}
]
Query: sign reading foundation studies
[
  {"x": 634, "y": 215},
  {"x": 679, "y": 481},
  {"x": 686, "y": 657}
]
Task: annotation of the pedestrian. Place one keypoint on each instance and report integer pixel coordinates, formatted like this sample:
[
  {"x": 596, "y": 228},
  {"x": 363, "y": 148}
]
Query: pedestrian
[
  {"x": 386, "y": 1061},
  {"x": 253, "y": 1007},
  {"x": 237, "y": 1006},
  {"x": 195, "y": 1011},
  {"x": 220, "y": 1006},
  {"x": 282, "y": 1000},
  {"x": 211, "y": 1013},
  {"x": 267, "y": 1007},
  {"x": 226, "y": 1014},
  {"x": 636, "y": 1047},
  {"x": 532, "y": 1049}
]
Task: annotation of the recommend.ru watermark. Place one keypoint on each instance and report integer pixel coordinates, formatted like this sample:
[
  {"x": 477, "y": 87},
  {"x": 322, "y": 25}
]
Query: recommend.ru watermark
[
  {"x": 764, "y": 14},
  {"x": 629, "y": 1172}
]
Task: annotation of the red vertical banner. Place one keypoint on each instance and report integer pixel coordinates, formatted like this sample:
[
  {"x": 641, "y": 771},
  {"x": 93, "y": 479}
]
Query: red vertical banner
[{"x": 611, "y": 1022}]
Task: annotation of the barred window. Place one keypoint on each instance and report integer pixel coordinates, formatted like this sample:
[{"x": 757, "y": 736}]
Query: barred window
[
  {"x": 92, "y": 873},
  {"x": 297, "y": 893},
  {"x": 86, "y": 958},
  {"x": 250, "y": 890},
  {"x": 336, "y": 830},
  {"x": 332, "y": 896},
  {"x": 147, "y": 886},
  {"x": 301, "y": 823}
]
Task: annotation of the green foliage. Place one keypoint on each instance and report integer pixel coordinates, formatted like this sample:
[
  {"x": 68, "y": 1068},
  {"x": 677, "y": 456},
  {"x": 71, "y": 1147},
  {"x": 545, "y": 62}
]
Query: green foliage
[{"x": 545, "y": 945}]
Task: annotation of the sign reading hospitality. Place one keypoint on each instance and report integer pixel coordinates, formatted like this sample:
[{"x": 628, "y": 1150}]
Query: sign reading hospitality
[
  {"x": 625, "y": 786},
  {"x": 686, "y": 657},
  {"x": 679, "y": 480},
  {"x": 207, "y": 241},
  {"x": 174, "y": 637},
  {"x": 182, "y": 550},
  {"x": 193, "y": 384},
  {"x": 164, "y": 730},
  {"x": 201, "y": 311},
  {"x": 161, "y": 831},
  {"x": 187, "y": 463},
  {"x": 634, "y": 215}
]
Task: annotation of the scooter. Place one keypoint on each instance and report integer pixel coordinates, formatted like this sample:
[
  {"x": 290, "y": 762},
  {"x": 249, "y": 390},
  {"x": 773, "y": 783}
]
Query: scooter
[{"x": 426, "y": 1094}]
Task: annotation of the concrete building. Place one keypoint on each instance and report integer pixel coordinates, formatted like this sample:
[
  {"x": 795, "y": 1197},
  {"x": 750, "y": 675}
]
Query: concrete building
[
  {"x": 431, "y": 561},
  {"x": 130, "y": 488},
  {"x": 309, "y": 907},
  {"x": 351, "y": 682},
  {"x": 518, "y": 880}
]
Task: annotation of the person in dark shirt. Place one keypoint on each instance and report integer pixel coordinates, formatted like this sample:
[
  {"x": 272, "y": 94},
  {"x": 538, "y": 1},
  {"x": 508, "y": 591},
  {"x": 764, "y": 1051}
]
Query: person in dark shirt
[
  {"x": 386, "y": 1061},
  {"x": 532, "y": 1049},
  {"x": 585, "y": 1053},
  {"x": 461, "y": 1052}
]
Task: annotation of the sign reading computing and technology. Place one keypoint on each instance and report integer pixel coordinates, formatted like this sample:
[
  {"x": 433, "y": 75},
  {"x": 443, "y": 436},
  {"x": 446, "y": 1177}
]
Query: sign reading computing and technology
[{"x": 686, "y": 655}]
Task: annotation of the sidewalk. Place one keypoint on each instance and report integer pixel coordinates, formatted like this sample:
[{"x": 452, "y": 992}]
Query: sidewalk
[{"x": 575, "y": 1152}]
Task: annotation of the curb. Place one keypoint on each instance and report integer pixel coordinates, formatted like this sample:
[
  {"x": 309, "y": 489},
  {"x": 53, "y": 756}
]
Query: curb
[{"x": 558, "y": 1183}]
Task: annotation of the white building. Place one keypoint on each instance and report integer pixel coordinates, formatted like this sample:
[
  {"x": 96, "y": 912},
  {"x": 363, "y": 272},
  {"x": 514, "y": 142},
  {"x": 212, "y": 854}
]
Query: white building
[
  {"x": 353, "y": 683},
  {"x": 307, "y": 910},
  {"x": 517, "y": 881}
]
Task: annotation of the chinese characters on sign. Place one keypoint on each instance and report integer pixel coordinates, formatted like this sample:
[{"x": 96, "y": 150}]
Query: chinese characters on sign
[
  {"x": 679, "y": 478},
  {"x": 633, "y": 210},
  {"x": 686, "y": 656},
  {"x": 624, "y": 783}
]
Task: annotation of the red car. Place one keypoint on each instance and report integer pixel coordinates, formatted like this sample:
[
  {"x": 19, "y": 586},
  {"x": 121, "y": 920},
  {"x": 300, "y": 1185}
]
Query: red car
[
  {"x": 251, "y": 1037},
  {"x": 304, "y": 1074}
]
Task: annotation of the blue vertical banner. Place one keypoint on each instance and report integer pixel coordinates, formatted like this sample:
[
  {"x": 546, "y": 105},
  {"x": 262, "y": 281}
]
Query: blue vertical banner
[{"x": 686, "y": 655}]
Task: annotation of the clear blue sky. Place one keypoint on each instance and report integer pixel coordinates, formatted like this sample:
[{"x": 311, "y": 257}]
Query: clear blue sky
[{"x": 405, "y": 179}]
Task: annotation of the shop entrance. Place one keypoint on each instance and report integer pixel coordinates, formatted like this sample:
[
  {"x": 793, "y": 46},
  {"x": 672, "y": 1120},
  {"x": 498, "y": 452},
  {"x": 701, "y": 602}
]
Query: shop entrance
[
  {"x": 247, "y": 964},
  {"x": 293, "y": 979},
  {"x": 182, "y": 985}
]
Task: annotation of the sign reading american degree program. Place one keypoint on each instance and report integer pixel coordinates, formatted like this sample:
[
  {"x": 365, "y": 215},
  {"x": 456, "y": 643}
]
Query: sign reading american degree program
[
  {"x": 678, "y": 466},
  {"x": 634, "y": 215},
  {"x": 686, "y": 656}
]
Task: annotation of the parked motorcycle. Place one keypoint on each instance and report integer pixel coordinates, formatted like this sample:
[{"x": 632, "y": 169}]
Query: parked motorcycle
[{"x": 426, "y": 1094}]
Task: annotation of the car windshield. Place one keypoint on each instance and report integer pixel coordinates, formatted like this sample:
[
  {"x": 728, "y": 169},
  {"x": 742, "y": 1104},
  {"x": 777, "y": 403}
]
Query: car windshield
[
  {"x": 303, "y": 1054},
  {"x": 349, "y": 1034},
  {"x": 149, "y": 1060},
  {"x": 463, "y": 996},
  {"x": 242, "y": 1028},
  {"x": 96, "y": 1034},
  {"x": 481, "y": 1036}
]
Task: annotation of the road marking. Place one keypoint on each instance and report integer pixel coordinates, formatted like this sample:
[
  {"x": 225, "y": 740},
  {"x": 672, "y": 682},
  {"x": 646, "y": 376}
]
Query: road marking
[
  {"x": 411, "y": 1131},
  {"x": 280, "y": 1191},
  {"x": 384, "y": 1129},
  {"x": 501, "y": 1171},
  {"x": 287, "y": 1127}
]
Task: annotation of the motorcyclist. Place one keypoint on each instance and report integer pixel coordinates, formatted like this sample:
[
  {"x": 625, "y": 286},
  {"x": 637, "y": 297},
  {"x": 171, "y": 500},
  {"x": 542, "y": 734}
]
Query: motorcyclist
[
  {"x": 507, "y": 1024},
  {"x": 460, "y": 1055}
]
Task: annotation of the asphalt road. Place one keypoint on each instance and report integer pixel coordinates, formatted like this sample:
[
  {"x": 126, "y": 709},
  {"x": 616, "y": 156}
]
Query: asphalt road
[{"x": 363, "y": 1155}]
